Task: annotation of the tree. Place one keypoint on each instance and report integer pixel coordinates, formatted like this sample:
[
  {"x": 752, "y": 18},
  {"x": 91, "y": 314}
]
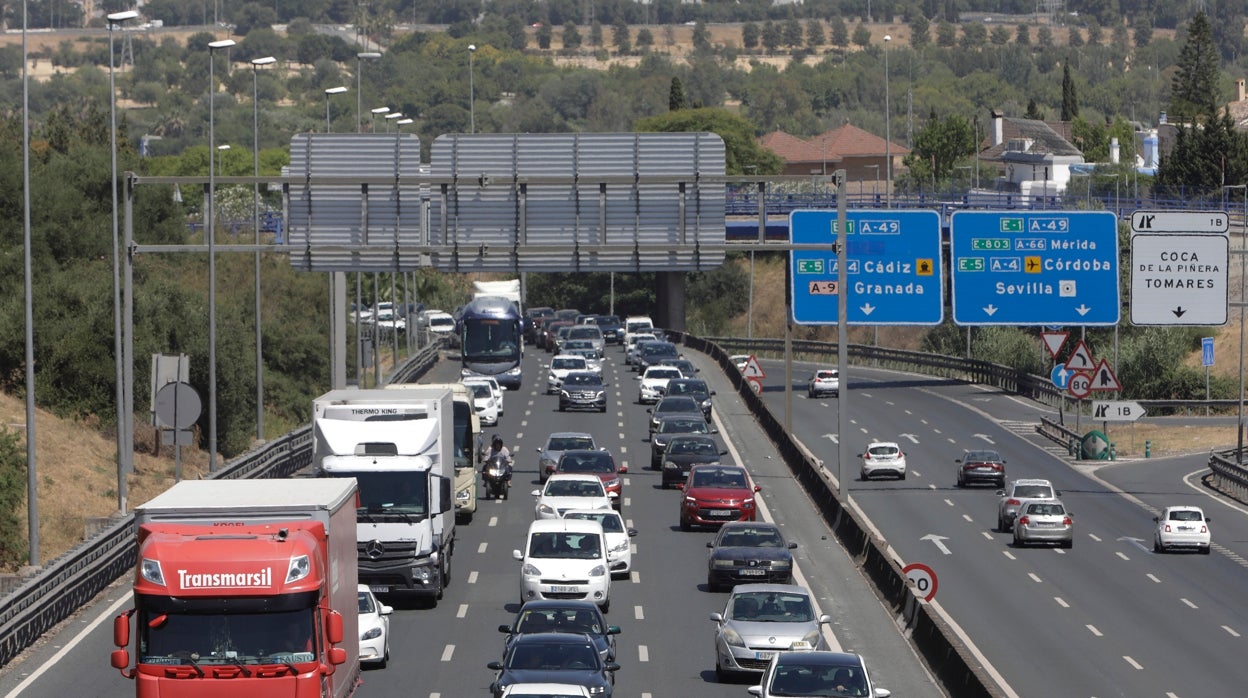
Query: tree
[
  {"x": 1033, "y": 111},
  {"x": 999, "y": 36},
  {"x": 701, "y": 37},
  {"x": 1204, "y": 158},
  {"x": 645, "y": 39},
  {"x": 1022, "y": 35},
  {"x": 946, "y": 34},
  {"x": 544, "y": 35},
  {"x": 571, "y": 37},
  {"x": 772, "y": 37},
  {"x": 676, "y": 96},
  {"x": 862, "y": 35},
  {"x": 1095, "y": 36},
  {"x": 1076, "y": 38},
  {"x": 595, "y": 34},
  {"x": 840, "y": 32},
  {"x": 1142, "y": 30},
  {"x": 974, "y": 36},
  {"x": 939, "y": 145},
  {"x": 1194, "y": 89},
  {"x": 793, "y": 33},
  {"x": 619, "y": 37},
  {"x": 815, "y": 36},
  {"x": 741, "y": 150},
  {"x": 1044, "y": 37},
  {"x": 749, "y": 36},
  {"x": 920, "y": 28},
  {"x": 1070, "y": 101}
]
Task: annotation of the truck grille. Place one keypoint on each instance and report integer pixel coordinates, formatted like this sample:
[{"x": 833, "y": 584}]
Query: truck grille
[{"x": 377, "y": 552}]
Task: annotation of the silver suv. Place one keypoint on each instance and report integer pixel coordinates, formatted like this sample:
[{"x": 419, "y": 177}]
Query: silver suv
[{"x": 1015, "y": 493}]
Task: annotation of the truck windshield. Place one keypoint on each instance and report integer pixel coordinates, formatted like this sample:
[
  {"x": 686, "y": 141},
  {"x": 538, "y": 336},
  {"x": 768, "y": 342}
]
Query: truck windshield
[
  {"x": 284, "y": 637},
  {"x": 393, "y": 493}
]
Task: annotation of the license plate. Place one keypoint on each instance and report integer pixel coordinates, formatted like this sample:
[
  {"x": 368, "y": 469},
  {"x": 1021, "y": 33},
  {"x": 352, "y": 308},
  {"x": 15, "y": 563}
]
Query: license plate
[
  {"x": 379, "y": 589},
  {"x": 718, "y": 514},
  {"x": 764, "y": 655},
  {"x": 1186, "y": 528},
  {"x": 753, "y": 572},
  {"x": 560, "y": 589}
]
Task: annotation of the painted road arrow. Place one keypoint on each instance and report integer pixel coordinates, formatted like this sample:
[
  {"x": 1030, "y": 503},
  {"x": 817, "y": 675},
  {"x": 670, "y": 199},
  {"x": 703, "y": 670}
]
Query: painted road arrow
[
  {"x": 833, "y": 438},
  {"x": 939, "y": 541},
  {"x": 913, "y": 439},
  {"x": 985, "y": 437},
  {"x": 1137, "y": 542}
]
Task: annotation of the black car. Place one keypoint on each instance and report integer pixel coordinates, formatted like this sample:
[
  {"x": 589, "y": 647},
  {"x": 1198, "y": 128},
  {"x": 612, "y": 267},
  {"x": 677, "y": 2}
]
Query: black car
[
  {"x": 685, "y": 451},
  {"x": 534, "y": 318},
  {"x": 981, "y": 466},
  {"x": 651, "y": 353},
  {"x": 695, "y": 387},
  {"x": 612, "y": 328},
  {"x": 745, "y": 552},
  {"x": 671, "y": 426},
  {"x": 672, "y": 404},
  {"x": 583, "y": 390},
  {"x": 554, "y": 658},
  {"x": 564, "y": 616},
  {"x": 685, "y": 366}
]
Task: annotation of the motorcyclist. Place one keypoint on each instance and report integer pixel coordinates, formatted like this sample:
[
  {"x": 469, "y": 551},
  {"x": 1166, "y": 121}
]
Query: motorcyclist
[{"x": 498, "y": 449}]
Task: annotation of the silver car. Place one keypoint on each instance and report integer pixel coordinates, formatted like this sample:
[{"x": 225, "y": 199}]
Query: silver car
[
  {"x": 760, "y": 620},
  {"x": 1014, "y": 495},
  {"x": 1044, "y": 521},
  {"x": 548, "y": 456}
]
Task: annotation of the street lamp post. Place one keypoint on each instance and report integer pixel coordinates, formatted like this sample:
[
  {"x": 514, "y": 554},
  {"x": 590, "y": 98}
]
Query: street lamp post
[
  {"x": 329, "y": 92},
  {"x": 376, "y": 111},
  {"x": 359, "y": 70},
  {"x": 1243, "y": 309},
  {"x": 401, "y": 122},
  {"x": 472, "y": 101},
  {"x": 875, "y": 178},
  {"x": 888, "y": 136},
  {"x": 123, "y": 461},
  {"x": 255, "y": 226},
  {"x": 390, "y": 119},
  {"x": 210, "y": 234}
]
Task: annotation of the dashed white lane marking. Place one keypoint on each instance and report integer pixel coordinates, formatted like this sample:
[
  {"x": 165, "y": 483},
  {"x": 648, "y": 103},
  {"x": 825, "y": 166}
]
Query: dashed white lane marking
[
  {"x": 493, "y": 522},
  {"x": 949, "y": 502},
  {"x": 967, "y": 518},
  {"x": 1035, "y": 577},
  {"x": 643, "y": 653},
  {"x": 462, "y": 612},
  {"x": 635, "y": 577},
  {"x": 472, "y": 577},
  {"x": 1094, "y": 537},
  {"x": 1153, "y": 577},
  {"x": 1189, "y": 603},
  {"x": 986, "y": 534},
  {"x": 482, "y": 548},
  {"x": 1132, "y": 662},
  {"x": 1094, "y": 631},
  {"x": 1061, "y": 602},
  {"x": 639, "y": 613},
  {"x": 1230, "y": 631},
  {"x": 448, "y": 652},
  {"x": 1123, "y": 555},
  {"x": 1008, "y": 554}
]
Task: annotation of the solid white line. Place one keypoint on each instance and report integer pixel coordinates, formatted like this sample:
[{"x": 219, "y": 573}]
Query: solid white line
[
  {"x": 1094, "y": 630},
  {"x": 448, "y": 652},
  {"x": 1132, "y": 662},
  {"x": 463, "y": 611},
  {"x": 1189, "y": 603},
  {"x": 1061, "y": 602},
  {"x": 1153, "y": 577},
  {"x": 639, "y": 613},
  {"x": 472, "y": 577},
  {"x": 56, "y": 658},
  {"x": 966, "y": 640},
  {"x": 1230, "y": 630}
]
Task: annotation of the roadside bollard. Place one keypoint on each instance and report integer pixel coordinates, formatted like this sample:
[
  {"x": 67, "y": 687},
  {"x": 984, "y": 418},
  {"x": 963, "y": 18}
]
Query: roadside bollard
[
  {"x": 1148, "y": 449},
  {"x": 1074, "y": 449},
  {"x": 1113, "y": 452}
]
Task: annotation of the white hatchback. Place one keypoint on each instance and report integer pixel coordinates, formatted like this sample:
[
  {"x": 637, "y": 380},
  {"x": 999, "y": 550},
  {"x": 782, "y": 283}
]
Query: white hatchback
[
  {"x": 495, "y": 387},
  {"x": 619, "y": 545},
  {"x": 654, "y": 383},
  {"x": 565, "y": 559},
  {"x": 560, "y": 366},
  {"x": 567, "y": 491},
  {"x": 487, "y": 406},
  {"x": 883, "y": 458},
  {"x": 374, "y": 628},
  {"x": 1182, "y": 528}
]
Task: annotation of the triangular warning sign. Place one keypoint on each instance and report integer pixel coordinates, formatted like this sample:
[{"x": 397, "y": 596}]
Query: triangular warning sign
[
  {"x": 1103, "y": 378},
  {"x": 753, "y": 369},
  {"x": 1054, "y": 341},
  {"x": 1080, "y": 359}
]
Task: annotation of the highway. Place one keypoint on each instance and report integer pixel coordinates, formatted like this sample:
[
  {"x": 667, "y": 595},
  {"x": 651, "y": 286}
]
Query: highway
[{"x": 1105, "y": 618}]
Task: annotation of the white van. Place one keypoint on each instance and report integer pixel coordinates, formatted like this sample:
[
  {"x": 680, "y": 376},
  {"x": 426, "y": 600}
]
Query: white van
[
  {"x": 636, "y": 324},
  {"x": 565, "y": 559}
]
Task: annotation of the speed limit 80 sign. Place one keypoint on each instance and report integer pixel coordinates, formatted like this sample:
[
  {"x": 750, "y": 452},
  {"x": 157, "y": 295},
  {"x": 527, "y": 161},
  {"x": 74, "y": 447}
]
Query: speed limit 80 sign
[{"x": 923, "y": 579}]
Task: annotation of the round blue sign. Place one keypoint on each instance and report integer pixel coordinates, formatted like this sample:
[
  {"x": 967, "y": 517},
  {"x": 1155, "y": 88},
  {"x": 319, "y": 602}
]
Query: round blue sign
[{"x": 1060, "y": 376}]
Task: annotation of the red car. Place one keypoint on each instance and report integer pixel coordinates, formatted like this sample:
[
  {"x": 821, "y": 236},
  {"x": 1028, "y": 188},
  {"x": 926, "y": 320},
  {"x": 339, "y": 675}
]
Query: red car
[
  {"x": 599, "y": 463},
  {"x": 715, "y": 494}
]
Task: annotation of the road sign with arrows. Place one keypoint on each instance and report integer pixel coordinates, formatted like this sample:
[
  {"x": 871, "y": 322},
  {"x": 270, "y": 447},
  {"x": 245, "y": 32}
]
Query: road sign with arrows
[{"x": 1179, "y": 279}]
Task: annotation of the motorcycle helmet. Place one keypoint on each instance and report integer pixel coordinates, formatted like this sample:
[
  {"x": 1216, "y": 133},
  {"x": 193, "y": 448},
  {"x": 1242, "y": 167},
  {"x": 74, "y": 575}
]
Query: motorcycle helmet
[{"x": 496, "y": 442}]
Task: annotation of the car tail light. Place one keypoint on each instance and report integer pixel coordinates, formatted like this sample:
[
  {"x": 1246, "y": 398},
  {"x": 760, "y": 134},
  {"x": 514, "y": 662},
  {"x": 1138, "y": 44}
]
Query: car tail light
[
  {"x": 1024, "y": 520},
  {"x": 1204, "y": 528},
  {"x": 997, "y": 466},
  {"x": 866, "y": 456},
  {"x": 1012, "y": 502},
  {"x": 1066, "y": 521},
  {"x": 1167, "y": 528}
]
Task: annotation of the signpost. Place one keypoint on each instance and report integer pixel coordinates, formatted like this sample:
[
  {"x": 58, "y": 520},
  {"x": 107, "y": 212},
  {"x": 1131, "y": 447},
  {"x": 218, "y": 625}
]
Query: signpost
[
  {"x": 893, "y": 270},
  {"x": 1042, "y": 268},
  {"x": 1117, "y": 410},
  {"x": 923, "y": 578},
  {"x": 1179, "y": 279},
  {"x": 1180, "y": 222}
]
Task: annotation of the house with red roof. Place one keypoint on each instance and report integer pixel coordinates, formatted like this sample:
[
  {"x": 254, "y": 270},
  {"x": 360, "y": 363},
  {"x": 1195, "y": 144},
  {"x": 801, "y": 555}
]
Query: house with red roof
[{"x": 862, "y": 154}]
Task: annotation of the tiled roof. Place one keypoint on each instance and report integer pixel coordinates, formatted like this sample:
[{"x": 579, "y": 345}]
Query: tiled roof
[
  {"x": 790, "y": 148},
  {"x": 833, "y": 145},
  {"x": 1044, "y": 139}
]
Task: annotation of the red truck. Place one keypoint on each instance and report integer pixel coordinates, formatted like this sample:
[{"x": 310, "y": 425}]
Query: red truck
[{"x": 245, "y": 588}]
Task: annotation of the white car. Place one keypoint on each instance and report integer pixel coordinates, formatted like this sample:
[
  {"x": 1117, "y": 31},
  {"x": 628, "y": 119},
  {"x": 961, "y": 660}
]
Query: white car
[
  {"x": 438, "y": 322},
  {"x": 487, "y": 406},
  {"x": 823, "y": 382},
  {"x": 374, "y": 628},
  {"x": 883, "y": 458},
  {"x": 565, "y": 559},
  {"x": 634, "y": 340},
  {"x": 560, "y": 366},
  {"x": 545, "y": 690},
  {"x": 567, "y": 491},
  {"x": 619, "y": 545},
  {"x": 635, "y": 324},
  {"x": 1182, "y": 528},
  {"x": 654, "y": 383},
  {"x": 804, "y": 673},
  {"x": 495, "y": 387}
]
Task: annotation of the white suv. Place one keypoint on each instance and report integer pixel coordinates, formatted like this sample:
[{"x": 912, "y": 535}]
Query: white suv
[
  {"x": 560, "y": 366},
  {"x": 654, "y": 383},
  {"x": 565, "y": 559},
  {"x": 1017, "y": 491}
]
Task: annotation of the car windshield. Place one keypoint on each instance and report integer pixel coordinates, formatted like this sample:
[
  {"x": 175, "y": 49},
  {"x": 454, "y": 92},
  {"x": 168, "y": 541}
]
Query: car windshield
[
  {"x": 751, "y": 537},
  {"x": 799, "y": 678},
  {"x": 594, "y": 462},
  {"x": 582, "y": 379},
  {"x": 366, "y": 603},
  {"x": 570, "y": 443},
  {"x": 611, "y": 522},
  {"x": 683, "y": 426},
  {"x": 480, "y": 390},
  {"x": 687, "y": 387},
  {"x": 658, "y": 349},
  {"x": 1186, "y": 515},
  {"x": 694, "y": 448},
  {"x": 560, "y": 656},
  {"x": 677, "y": 403},
  {"x": 825, "y": 375},
  {"x": 1047, "y": 509},
  {"x": 569, "y": 363},
  {"x": 563, "y": 544},
  {"x": 719, "y": 477},
  {"x": 662, "y": 373},
  {"x": 574, "y": 488},
  {"x": 590, "y": 333},
  {"x": 559, "y": 620},
  {"x": 771, "y": 606},
  {"x": 981, "y": 456},
  {"x": 1024, "y": 491}
]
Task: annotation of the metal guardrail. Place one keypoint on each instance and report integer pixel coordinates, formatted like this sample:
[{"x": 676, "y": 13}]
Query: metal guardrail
[
  {"x": 1229, "y": 477},
  {"x": 70, "y": 581}
]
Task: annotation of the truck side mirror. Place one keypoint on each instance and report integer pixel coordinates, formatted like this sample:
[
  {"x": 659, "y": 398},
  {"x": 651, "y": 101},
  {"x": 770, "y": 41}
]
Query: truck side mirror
[
  {"x": 121, "y": 632},
  {"x": 337, "y": 655},
  {"x": 447, "y": 500},
  {"x": 120, "y": 660},
  {"x": 333, "y": 628}
]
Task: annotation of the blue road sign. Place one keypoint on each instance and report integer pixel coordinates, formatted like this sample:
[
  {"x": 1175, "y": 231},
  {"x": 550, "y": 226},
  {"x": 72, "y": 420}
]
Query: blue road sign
[
  {"x": 1206, "y": 351},
  {"x": 1060, "y": 376},
  {"x": 892, "y": 268},
  {"x": 1034, "y": 268}
]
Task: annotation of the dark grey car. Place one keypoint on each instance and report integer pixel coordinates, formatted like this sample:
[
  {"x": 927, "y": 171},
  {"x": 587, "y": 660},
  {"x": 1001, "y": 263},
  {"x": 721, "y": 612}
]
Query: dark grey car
[
  {"x": 685, "y": 451},
  {"x": 554, "y": 658}
]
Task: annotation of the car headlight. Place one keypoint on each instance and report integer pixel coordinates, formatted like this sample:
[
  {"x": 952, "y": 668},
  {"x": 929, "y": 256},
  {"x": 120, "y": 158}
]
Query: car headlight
[
  {"x": 564, "y": 393},
  {"x": 598, "y": 571},
  {"x": 749, "y": 503},
  {"x": 668, "y": 465},
  {"x": 706, "y": 403},
  {"x": 464, "y": 494},
  {"x": 722, "y": 564},
  {"x": 812, "y": 637},
  {"x": 621, "y": 547},
  {"x": 546, "y": 509},
  {"x": 732, "y": 637},
  {"x": 514, "y": 372},
  {"x": 781, "y": 564},
  {"x": 691, "y": 500},
  {"x": 530, "y": 570},
  {"x": 597, "y": 690},
  {"x": 613, "y": 482},
  {"x": 371, "y": 633}
]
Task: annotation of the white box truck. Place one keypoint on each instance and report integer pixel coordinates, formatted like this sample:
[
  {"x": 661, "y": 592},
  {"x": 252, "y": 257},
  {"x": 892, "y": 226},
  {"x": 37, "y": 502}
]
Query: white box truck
[
  {"x": 399, "y": 447},
  {"x": 467, "y": 444}
]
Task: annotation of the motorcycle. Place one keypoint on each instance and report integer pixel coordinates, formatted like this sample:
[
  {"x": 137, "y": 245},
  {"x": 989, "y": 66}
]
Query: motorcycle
[{"x": 494, "y": 477}]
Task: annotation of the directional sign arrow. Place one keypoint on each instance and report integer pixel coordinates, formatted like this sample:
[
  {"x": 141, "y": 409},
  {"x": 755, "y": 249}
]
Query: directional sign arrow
[
  {"x": 833, "y": 438},
  {"x": 1083, "y": 309},
  {"x": 990, "y": 309},
  {"x": 1137, "y": 542},
  {"x": 866, "y": 309},
  {"x": 985, "y": 437},
  {"x": 939, "y": 541},
  {"x": 912, "y": 437},
  {"x": 1179, "y": 311}
]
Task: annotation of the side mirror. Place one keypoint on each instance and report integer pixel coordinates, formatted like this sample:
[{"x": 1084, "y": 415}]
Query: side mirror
[
  {"x": 632, "y": 533},
  {"x": 613, "y": 630},
  {"x": 333, "y": 629},
  {"x": 710, "y": 544},
  {"x": 1057, "y": 493},
  {"x": 496, "y": 666},
  {"x": 792, "y": 546},
  {"x": 723, "y": 452},
  {"x": 121, "y": 632},
  {"x": 386, "y": 610},
  {"x": 337, "y": 655},
  {"x": 623, "y": 468},
  {"x": 536, "y": 493},
  {"x": 758, "y": 488},
  {"x": 506, "y": 629},
  {"x": 119, "y": 659},
  {"x": 717, "y": 617},
  {"x": 825, "y": 619},
  {"x": 612, "y": 666},
  {"x": 517, "y": 555},
  {"x": 1001, "y": 493}
]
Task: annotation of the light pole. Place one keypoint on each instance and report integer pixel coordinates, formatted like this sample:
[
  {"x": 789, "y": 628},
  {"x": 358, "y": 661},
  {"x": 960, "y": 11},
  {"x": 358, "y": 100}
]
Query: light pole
[
  {"x": 875, "y": 178},
  {"x": 123, "y": 468},
  {"x": 401, "y": 122},
  {"x": 1243, "y": 309},
  {"x": 390, "y": 118},
  {"x": 472, "y": 94},
  {"x": 255, "y": 226},
  {"x": 329, "y": 92},
  {"x": 210, "y": 233},
  {"x": 888, "y": 136},
  {"x": 359, "y": 70},
  {"x": 375, "y": 112}
]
